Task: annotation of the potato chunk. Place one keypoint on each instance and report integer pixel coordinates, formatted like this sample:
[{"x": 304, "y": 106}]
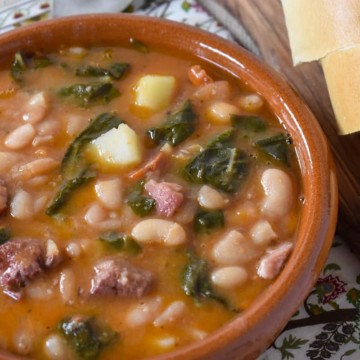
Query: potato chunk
[
  {"x": 154, "y": 92},
  {"x": 119, "y": 147}
]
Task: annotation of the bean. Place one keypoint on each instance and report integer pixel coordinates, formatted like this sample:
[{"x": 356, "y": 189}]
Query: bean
[
  {"x": 251, "y": 102},
  {"x": 73, "y": 249},
  {"x": 234, "y": 249},
  {"x": 39, "y": 290},
  {"x": 172, "y": 313},
  {"x": 20, "y": 137},
  {"x": 52, "y": 254},
  {"x": 24, "y": 340},
  {"x": 262, "y": 233},
  {"x": 217, "y": 89},
  {"x": 7, "y": 160},
  {"x": 38, "y": 181},
  {"x": 210, "y": 198},
  {"x": 67, "y": 286},
  {"x": 144, "y": 313},
  {"x": 22, "y": 206},
  {"x": 75, "y": 124},
  {"x": 109, "y": 193},
  {"x": 37, "y": 167},
  {"x": 95, "y": 214},
  {"x": 157, "y": 230},
  {"x": 229, "y": 277},
  {"x": 49, "y": 127},
  {"x": 166, "y": 342},
  {"x": 188, "y": 152},
  {"x": 56, "y": 348},
  {"x": 36, "y": 108},
  {"x": 41, "y": 140},
  {"x": 75, "y": 52},
  {"x": 220, "y": 112},
  {"x": 277, "y": 188},
  {"x": 109, "y": 224}
]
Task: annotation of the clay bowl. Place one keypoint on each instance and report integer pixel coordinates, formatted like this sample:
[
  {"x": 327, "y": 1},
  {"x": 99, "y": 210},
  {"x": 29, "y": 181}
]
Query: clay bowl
[{"x": 252, "y": 331}]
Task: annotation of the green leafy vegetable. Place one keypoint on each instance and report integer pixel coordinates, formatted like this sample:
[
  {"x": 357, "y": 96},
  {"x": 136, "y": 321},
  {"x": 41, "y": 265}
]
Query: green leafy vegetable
[
  {"x": 196, "y": 281},
  {"x": 18, "y": 67},
  {"x": 122, "y": 242},
  {"x": 275, "y": 147},
  {"x": 86, "y": 336},
  {"x": 219, "y": 164},
  {"x": 140, "y": 204},
  {"x": 178, "y": 127},
  {"x": 42, "y": 61},
  {"x": 204, "y": 221},
  {"x": 139, "y": 46},
  {"x": 4, "y": 235},
  {"x": 98, "y": 126},
  {"x": 90, "y": 93},
  {"x": 66, "y": 190},
  {"x": 248, "y": 123},
  {"x": 115, "y": 71}
]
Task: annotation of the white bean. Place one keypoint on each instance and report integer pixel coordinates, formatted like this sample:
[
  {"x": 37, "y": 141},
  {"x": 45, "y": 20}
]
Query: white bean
[
  {"x": 220, "y": 112},
  {"x": 41, "y": 140},
  {"x": 109, "y": 224},
  {"x": 36, "y": 108},
  {"x": 49, "y": 127},
  {"x": 52, "y": 253},
  {"x": 56, "y": 348},
  {"x": 251, "y": 102},
  {"x": 20, "y": 137},
  {"x": 24, "y": 340},
  {"x": 95, "y": 214},
  {"x": 144, "y": 313},
  {"x": 217, "y": 89},
  {"x": 188, "y": 152},
  {"x": 210, "y": 198},
  {"x": 37, "y": 167},
  {"x": 67, "y": 286},
  {"x": 7, "y": 160},
  {"x": 73, "y": 249},
  {"x": 22, "y": 206},
  {"x": 278, "y": 193},
  {"x": 39, "y": 290},
  {"x": 109, "y": 193},
  {"x": 172, "y": 313},
  {"x": 234, "y": 249},
  {"x": 38, "y": 181},
  {"x": 262, "y": 233},
  {"x": 75, "y": 124},
  {"x": 229, "y": 277},
  {"x": 157, "y": 230}
]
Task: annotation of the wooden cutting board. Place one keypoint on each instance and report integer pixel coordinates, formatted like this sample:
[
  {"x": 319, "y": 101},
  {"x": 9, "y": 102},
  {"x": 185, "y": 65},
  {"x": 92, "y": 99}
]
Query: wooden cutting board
[{"x": 264, "y": 21}]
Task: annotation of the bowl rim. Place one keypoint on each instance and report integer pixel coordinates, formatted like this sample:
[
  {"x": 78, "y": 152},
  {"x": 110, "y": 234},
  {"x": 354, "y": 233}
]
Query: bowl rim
[{"x": 319, "y": 213}]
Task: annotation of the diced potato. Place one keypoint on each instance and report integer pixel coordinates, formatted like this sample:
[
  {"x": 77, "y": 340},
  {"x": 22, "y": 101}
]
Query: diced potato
[
  {"x": 155, "y": 92},
  {"x": 119, "y": 147}
]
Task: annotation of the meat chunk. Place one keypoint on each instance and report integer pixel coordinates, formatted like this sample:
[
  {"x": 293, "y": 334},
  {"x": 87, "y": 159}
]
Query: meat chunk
[
  {"x": 4, "y": 197},
  {"x": 271, "y": 263},
  {"x": 21, "y": 260},
  {"x": 168, "y": 196},
  {"x": 117, "y": 277},
  {"x": 153, "y": 164}
]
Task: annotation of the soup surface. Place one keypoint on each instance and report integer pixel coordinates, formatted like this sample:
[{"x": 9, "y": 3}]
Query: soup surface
[{"x": 145, "y": 201}]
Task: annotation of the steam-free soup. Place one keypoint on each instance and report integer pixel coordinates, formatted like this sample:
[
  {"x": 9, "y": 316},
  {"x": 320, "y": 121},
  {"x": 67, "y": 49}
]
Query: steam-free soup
[{"x": 146, "y": 200}]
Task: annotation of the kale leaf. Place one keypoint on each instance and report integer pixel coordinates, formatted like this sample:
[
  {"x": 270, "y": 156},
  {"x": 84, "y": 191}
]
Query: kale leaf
[
  {"x": 86, "y": 336},
  {"x": 196, "y": 281},
  {"x": 66, "y": 190},
  {"x": 275, "y": 147},
  {"x": 204, "y": 221},
  {"x": 219, "y": 164},
  {"x": 115, "y": 71},
  {"x": 122, "y": 242},
  {"x": 5, "y": 235},
  {"x": 91, "y": 93},
  {"x": 138, "y": 45},
  {"x": 248, "y": 123},
  {"x": 177, "y": 127},
  {"x": 141, "y": 205},
  {"x": 18, "y": 67}
]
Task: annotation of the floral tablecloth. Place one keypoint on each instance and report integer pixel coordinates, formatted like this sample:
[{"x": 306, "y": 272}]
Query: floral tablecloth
[{"x": 327, "y": 326}]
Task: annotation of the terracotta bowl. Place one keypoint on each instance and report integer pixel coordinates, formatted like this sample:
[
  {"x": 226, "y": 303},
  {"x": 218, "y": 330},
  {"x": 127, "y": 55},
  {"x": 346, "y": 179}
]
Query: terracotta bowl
[{"x": 251, "y": 332}]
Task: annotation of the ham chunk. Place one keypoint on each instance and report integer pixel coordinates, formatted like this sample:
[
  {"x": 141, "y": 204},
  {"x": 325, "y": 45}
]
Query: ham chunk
[
  {"x": 273, "y": 261},
  {"x": 168, "y": 196},
  {"x": 117, "y": 277},
  {"x": 155, "y": 163},
  {"x": 21, "y": 260},
  {"x": 4, "y": 197}
]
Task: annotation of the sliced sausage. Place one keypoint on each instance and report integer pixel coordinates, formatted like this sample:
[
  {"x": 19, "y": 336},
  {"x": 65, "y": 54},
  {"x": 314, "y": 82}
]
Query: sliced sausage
[
  {"x": 117, "y": 277},
  {"x": 168, "y": 196}
]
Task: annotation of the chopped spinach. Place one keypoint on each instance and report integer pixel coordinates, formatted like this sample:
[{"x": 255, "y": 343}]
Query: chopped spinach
[
  {"x": 219, "y": 164},
  {"x": 248, "y": 123},
  {"x": 177, "y": 127},
  {"x": 18, "y": 67},
  {"x": 275, "y": 147},
  {"x": 98, "y": 126},
  {"x": 115, "y": 71},
  {"x": 204, "y": 221},
  {"x": 121, "y": 242},
  {"x": 141, "y": 205},
  {"x": 86, "y": 336},
  {"x": 138, "y": 45},
  {"x": 66, "y": 190},
  {"x": 196, "y": 281},
  {"x": 91, "y": 93},
  {"x": 4, "y": 235}
]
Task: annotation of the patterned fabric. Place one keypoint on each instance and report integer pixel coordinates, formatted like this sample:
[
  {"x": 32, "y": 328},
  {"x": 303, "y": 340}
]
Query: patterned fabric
[{"x": 327, "y": 326}]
